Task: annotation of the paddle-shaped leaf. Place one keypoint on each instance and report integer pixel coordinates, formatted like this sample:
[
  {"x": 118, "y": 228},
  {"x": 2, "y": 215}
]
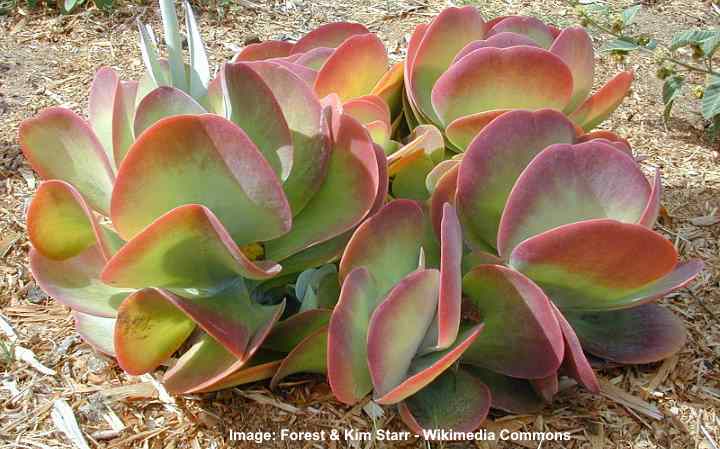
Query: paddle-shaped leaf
[
  {"x": 494, "y": 161},
  {"x": 348, "y": 372},
  {"x": 148, "y": 331},
  {"x": 521, "y": 337},
  {"x": 206, "y": 150},
  {"x": 643, "y": 334},
  {"x": 186, "y": 248},
  {"x": 457, "y": 401},
  {"x": 387, "y": 245},
  {"x": 602, "y": 103},
  {"x": 581, "y": 266},
  {"x": 61, "y": 225},
  {"x": 432, "y": 48},
  {"x": 163, "y": 102},
  {"x": 61, "y": 145},
  {"x": 340, "y": 74},
  {"x": 250, "y": 104},
  {"x": 509, "y": 78},
  {"x": 330, "y": 35},
  {"x": 569, "y": 183},
  {"x": 76, "y": 283}
]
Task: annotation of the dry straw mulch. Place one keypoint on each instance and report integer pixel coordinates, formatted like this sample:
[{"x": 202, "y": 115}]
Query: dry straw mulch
[{"x": 48, "y": 60}]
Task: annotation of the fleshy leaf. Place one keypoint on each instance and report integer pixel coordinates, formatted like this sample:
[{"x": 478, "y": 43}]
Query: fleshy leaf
[
  {"x": 250, "y": 104},
  {"x": 289, "y": 332},
  {"x": 581, "y": 266},
  {"x": 387, "y": 244},
  {"x": 163, "y": 102},
  {"x": 425, "y": 141},
  {"x": 652, "y": 210},
  {"x": 340, "y": 72},
  {"x": 570, "y": 183},
  {"x": 60, "y": 223},
  {"x": 456, "y": 401},
  {"x": 575, "y": 364},
  {"x": 186, "y": 248},
  {"x": 489, "y": 79},
  {"x": 101, "y": 107},
  {"x": 205, "y": 363},
  {"x": 436, "y": 48},
  {"x": 602, "y": 103},
  {"x": 76, "y": 283},
  {"x": 444, "y": 193},
  {"x": 398, "y": 326},
  {"x": 461, "y": 131},
  {"x": 245, "y": 375},
  {"x": 96, "y": 330},
  {"x": 451, "y": 247},
  {"x": 531, "y": 27},
  {"x": 503, "y": 39},
  {"x": 230, "y": 316},
  {"x": 315, "y": 58},
  {"x": 574, "y": 47},
  {"x": 61, "y": 145},
  {"x": 350, "y": 186},
  {"x": 348, "y": 372},
  {"x": 123, "y": 118},
  {"x": 494, "y": 161},
  {"x": 330, "y": 35},
  {"x": 310, "y": 139},
  {"x": 148, "y": 331},
  {"x": 206, "y": 150},
  {"x": 509, "y": 394},
  {"x": 390, "y": 88},
  {"x": 264, "y": 50},
  {"x": 521, "y": 336},
  {"x": 409, "y": 182},
  {"x": 424, "y": 369},
  {"x": 643, "y": 334},
  {"x": 309, "y": 356}
]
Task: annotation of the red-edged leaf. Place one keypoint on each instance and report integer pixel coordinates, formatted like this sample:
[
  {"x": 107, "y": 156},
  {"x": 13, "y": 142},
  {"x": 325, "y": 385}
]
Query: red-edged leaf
[{"x": 206, "y": 150}]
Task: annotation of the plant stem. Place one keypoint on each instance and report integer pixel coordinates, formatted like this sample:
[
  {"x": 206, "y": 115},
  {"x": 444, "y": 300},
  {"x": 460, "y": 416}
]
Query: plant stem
[{"x": 670, "y": 59}]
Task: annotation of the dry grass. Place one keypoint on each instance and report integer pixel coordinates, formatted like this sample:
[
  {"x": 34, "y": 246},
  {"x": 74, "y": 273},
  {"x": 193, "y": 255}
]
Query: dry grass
[{"x": 49, "y": 60}]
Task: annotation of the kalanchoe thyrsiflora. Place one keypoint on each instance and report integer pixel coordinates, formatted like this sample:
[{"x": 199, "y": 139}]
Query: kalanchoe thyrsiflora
[
  {"x": 573, "y": 218},
  {"x": 397, "y": 329},
  {"x": 461, "y": 72},
  {"x": 162, "y": 225}
]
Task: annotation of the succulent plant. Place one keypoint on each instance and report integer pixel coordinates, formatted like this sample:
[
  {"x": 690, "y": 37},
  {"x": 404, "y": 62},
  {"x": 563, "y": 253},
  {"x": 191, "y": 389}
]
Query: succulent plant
[
  {"x": 573, "y": 217},
  {"x": 161, "y": 224},
  {"x": 397, "y": 328},
  {"x": 461, "y": 72}
]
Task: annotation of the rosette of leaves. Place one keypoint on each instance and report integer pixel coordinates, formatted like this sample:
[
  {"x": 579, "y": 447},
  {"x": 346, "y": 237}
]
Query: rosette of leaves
[
  {"x": 398, "y": 329},
  {"x": 167, "y": 225},
  {"x": 462, "y": 71},
  {"x": 571, "y": 216}
]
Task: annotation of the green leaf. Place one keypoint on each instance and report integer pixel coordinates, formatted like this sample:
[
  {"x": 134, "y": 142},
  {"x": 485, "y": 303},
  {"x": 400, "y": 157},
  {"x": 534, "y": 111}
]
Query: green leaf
[
  {"x": 671, "y": 90},
  {"x": 621, "y": 45},
  {"x": 690, "y": 37},
  {"x": 711, "y": 44},
  {"x": 104, "y": 4},
  {"x": 628, "y": 15},
  {"x": 69, "y": 5},
  {"x": 711, "y": 99}
]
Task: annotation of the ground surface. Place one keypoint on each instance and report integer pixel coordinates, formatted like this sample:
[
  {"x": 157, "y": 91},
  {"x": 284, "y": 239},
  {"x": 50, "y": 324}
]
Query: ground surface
[{"x": 48, "y": 60}]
